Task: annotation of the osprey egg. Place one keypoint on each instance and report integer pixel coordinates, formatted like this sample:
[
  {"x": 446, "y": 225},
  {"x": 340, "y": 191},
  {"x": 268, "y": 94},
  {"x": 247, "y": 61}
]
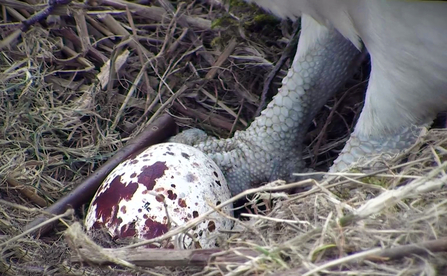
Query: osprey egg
[{"x": 162, "y": 187}]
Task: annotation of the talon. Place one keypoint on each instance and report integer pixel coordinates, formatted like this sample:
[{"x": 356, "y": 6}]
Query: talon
[{"x": 192, "y": 137}]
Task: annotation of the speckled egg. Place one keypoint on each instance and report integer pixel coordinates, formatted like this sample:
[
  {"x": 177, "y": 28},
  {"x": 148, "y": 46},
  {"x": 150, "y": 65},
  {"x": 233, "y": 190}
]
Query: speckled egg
[{"x": 164, "y": 186}]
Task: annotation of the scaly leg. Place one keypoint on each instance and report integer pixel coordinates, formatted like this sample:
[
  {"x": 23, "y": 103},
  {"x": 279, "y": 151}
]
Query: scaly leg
[
  {"x": 407, "y": 85},
  {"x": 271, "y": 147},
  {"x": 370, "y": 150}
]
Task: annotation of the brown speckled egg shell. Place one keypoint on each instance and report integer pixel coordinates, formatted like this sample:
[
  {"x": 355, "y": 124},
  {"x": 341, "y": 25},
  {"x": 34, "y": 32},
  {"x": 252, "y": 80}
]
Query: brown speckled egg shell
[{"x": 131, "y": 200}]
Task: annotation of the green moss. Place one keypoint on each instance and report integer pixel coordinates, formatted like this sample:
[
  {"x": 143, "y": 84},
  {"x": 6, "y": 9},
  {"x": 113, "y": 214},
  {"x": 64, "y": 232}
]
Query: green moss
[
  {"x": 322, "y": 250},
  {"x": 373, "y": 180},
  {"x": 376, "y": 180},
  {"x": 237, "y": 3},
  {"x": 224, "y": 22},
  {"x": 245, "y": 18},
  {"x": 343, "y": 193},
  {"x": 217, "y": 41},
  {"x": 265, "y": 19}
]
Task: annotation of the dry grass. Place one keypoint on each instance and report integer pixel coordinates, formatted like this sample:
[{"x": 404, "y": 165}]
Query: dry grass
[{"x": 79, "y": 85}]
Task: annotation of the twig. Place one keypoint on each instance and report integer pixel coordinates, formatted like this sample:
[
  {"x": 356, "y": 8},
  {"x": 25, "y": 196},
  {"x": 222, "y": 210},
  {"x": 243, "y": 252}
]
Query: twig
[
  {"x": 378, "y": 255},
  {"x": 222, "y": 58},
  {"x": 43, "y": 14},
  {"x": 422, "y": 248},
  {"x": 271, "y": 187},
  {"x": 161, "y": 129},
  {"x": 216, "y": 119},
  {"x": 146, "y": 257},
  {"x": 49, "y": 221},
  {"x": 346, "y": 259},
  {"x": 288, "y": 53},
  {"x": 29, "y": 192}
]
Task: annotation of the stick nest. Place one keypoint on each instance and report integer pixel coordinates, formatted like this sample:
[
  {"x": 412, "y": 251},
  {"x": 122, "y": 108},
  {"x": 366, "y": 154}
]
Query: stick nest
[{"x": 82, "y": 82}]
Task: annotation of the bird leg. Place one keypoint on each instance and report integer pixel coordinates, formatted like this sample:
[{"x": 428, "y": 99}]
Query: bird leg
[
  {"x": 372, "y": 150},
  {"x": 271, "y": 147}
]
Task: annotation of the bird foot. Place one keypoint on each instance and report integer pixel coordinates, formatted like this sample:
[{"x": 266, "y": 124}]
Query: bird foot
[
  {"x": 375, "y": 152},
  {"x": 191, "y": 137},
  {"x": 271, "y": 148}
]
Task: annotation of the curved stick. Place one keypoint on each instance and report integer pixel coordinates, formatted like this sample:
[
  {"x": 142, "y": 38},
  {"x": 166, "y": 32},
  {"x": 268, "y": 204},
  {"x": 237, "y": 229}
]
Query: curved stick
[{"x": 161, "y": 129}]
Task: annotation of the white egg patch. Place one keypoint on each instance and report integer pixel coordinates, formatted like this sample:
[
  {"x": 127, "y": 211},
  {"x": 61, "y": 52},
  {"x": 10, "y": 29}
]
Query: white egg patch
[{"x": 164, "y": 186}]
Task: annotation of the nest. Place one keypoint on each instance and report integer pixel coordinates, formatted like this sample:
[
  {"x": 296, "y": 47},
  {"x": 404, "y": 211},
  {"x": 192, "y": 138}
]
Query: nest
[{"x": 80, "y": 80}]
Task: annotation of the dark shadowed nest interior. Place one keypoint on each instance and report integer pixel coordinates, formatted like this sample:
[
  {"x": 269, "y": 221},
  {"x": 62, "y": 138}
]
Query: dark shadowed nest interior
[{"x": 80, "y": 83}]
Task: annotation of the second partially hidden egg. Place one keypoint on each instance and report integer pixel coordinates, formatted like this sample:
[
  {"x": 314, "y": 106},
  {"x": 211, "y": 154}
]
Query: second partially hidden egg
[{"x": 164, "y": 186}]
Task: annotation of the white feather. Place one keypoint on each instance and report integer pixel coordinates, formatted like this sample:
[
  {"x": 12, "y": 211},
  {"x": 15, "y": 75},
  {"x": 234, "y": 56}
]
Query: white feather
[{"x": 407, "y": 41}]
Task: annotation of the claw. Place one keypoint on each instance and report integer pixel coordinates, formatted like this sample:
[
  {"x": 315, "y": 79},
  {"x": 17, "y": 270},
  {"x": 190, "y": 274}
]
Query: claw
[{"x": 191, "y": 137}]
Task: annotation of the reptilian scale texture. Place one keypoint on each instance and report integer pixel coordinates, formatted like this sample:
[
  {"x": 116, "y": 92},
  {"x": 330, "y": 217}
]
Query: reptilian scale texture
[
  {"x": 407, "y": 88},
  {"x": 270, "y": 148}
]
